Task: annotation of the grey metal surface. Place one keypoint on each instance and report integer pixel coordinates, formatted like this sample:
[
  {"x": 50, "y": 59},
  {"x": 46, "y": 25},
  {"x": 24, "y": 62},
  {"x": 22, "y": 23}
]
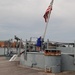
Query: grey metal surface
[
  {"x": 56, "y": 69},
  {"x": 37, "y": 59},
  {"x": 54, "y": 63},
  {"x": 34, "y": 59},
  {"x": 68, "y": 62},
  {"x": 2, "y": 52},
  {"x": 66, "y": 49},
  {"x": 68, "y": 59}
]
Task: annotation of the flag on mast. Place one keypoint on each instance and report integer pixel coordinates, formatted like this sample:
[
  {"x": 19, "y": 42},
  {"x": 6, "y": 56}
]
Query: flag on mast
[{"x": 48, "y": 11}]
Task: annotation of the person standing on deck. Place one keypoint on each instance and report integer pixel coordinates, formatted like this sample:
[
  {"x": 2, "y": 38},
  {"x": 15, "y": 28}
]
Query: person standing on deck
[{"x": 38, "y": 44}]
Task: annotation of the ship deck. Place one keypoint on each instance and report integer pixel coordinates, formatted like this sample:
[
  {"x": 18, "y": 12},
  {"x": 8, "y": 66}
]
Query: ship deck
[{"x": 14, "y": 68}]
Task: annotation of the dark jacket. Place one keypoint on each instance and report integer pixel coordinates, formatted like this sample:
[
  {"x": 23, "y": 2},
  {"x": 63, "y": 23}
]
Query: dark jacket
[{"x": 38, "y": 42}]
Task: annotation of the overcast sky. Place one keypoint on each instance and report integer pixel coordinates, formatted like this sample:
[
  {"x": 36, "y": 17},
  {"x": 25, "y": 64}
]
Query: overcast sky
[{"x": 24, "y": 18}]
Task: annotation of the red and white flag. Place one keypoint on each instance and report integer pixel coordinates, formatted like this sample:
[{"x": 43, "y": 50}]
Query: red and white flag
[{"x": 48, "y": 12}]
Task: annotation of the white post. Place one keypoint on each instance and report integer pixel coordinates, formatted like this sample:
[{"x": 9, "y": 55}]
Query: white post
[
  {"x": 45, "y": 30},
  {"x": 46, "y": 27}
]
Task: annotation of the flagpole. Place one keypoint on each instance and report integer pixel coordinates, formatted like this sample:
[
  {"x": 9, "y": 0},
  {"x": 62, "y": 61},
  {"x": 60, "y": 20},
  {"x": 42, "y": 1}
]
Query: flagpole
[
  {"x": 45, "y": 31},
  {"x": 46, "y": 27},
  {"x": 51, "y": 3}
]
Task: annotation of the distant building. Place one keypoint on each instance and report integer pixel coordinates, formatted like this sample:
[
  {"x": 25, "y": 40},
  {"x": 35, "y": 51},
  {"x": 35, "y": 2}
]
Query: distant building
[
  {"x": 1, "y": 43},
  {"x": 5, "y": 44}
]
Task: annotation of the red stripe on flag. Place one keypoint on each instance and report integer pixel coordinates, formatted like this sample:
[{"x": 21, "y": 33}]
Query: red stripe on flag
[{"x": 48, "y": 11}]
